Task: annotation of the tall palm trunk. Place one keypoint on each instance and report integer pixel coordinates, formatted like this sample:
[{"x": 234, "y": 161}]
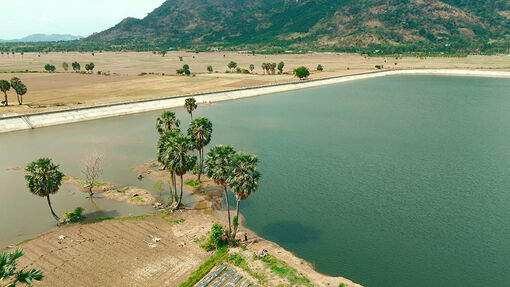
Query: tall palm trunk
[
  {"x": 51, "y": 208},
  {"x": 173, "y": 189},
  {"x": 201, "y": 162},
  {"x": 237, "y": 216},
  {"x": 174, "y": 178},
  {"x": 228, "y": 211},
  {"x": 180, "y": 197}
]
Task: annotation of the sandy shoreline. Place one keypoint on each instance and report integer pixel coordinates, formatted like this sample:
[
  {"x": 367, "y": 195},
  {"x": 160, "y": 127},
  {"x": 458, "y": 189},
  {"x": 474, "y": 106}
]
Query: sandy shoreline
[
  {"x": 120, "y": 255},
  {"x": 30, "y": 121}
]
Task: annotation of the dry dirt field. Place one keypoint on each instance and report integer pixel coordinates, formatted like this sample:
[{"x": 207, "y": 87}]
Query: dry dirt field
[
  {"x": 62, "y": 90},
  {"x": 117, "y": 253}
]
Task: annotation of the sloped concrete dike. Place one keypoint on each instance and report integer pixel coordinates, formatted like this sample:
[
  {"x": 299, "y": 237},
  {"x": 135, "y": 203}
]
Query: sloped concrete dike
[{"x": 44, "y": 119}]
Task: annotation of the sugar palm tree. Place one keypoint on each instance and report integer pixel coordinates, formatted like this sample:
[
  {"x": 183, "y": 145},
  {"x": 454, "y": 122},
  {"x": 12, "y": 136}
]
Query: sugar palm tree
[
  {"x": 43, "y": 179},
  {"x": 5, "y": 87},
  {"x": 243, "y": 180},
  {"x": 166, "y": 122},
  {"x": 20, "y": 89},
  {"x": 8, "y": 270},
  {"x": 200, "y": 132},
  {"x": 264, "y": 67},
  {"x": 218, "y": 165},
  {"x": 165, "y": 156},
  {"x": 180, "y": 160},
  {"x": 190, "y": 104}
]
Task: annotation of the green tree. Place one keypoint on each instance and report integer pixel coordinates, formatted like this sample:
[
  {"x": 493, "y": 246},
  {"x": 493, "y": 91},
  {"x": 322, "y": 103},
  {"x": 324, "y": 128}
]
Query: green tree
[
  {"x": 43, "y": 179},
  {"x": 8, "y": 271},
  {"x": 5, "y": 87},
  {"x": 301, "y": 72},
  {"x": 166, "y": 122},
  {"x": 76, "y": 66},
  {"x": 166, "y": 150},
  {"x": 50, "y": 68},
  {"x": 65, "y": 66},
  {"x": 90, "y": 67},
  {"x": 219, "y": 165},
  {"x": 272, "y": 67},
  {"x": 264, "y": 67},
  {"x": 320, "y": 68},
  {"x": 243, "y": 180},
  {"x": 252, "y": 67},
  {"x": 180, "y": 161},
  {"x": 232, "y": 65},
  {"x": 20, "y": 89},
  {"x": 190, "y": 104},
  {"x": 200, "y": 133},
  {"x": 280, "y": 67},
  {"x": 209, "y": 69},
  {"x": 163, "y": 52}
]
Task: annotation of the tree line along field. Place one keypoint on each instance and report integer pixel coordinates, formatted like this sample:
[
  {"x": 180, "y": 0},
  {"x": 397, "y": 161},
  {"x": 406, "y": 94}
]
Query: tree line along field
[{"x": 144, "y": 75}]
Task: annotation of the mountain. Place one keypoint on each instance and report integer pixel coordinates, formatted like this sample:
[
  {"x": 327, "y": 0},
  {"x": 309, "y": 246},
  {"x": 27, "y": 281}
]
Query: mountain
[
  {"x": 349, "y": 25},
  {"x": 44, "y": 38}
]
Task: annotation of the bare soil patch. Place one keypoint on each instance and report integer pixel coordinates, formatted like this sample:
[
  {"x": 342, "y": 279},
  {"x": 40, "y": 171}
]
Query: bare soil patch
[{"x": 131, "y": 195}]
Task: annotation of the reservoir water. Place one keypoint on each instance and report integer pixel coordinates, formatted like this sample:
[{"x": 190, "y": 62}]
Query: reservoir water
[{"x": 395, "y": 181}]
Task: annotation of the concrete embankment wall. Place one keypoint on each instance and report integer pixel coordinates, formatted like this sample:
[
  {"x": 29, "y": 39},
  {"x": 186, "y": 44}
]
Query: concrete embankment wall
[{"x": 30, "y": 121}]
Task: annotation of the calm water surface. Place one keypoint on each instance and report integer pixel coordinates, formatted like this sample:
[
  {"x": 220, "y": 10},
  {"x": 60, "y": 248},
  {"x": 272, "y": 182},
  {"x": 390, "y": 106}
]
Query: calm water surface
[{"x": 397, "y": 181}]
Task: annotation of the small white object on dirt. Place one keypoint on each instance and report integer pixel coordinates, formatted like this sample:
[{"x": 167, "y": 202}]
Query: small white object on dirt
[
  {"x": 62, "y": 237},
  {"x": 261, "y": 254},
  {"x": 150, "y": 244},
  {"x": 155, "y": 239}
]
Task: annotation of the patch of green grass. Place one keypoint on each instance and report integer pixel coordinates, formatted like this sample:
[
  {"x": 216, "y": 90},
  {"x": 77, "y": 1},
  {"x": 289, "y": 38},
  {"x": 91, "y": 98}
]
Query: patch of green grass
[
  {"x": 136, "y": 217},
  {"x": 99, "y": 184},
  {"x": 137, "y": 199},
  {"x": 94, "y": 184},
  {"x": 194, "y": 184},
  {"x": 24, "y": 241},
  {"x": 122, "y": 190},
  {"x": 238, "y": 261},
  {"x": 74, "y": 216},
  {"x": 205, "y": 268},
  {"x": 283, "y": 270}
]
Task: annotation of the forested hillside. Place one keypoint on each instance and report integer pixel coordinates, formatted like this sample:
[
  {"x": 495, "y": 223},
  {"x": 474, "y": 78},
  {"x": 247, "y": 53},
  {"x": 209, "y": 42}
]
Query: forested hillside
[{"x": 391, "y": 26}]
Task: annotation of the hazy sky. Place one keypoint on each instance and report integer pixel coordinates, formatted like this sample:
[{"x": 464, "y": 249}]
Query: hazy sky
[{"x": 21, "y": 18}]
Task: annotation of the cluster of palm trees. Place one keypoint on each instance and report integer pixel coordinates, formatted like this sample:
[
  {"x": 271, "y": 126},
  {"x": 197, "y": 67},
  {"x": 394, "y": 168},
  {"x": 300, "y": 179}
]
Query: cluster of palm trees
[
  {"x": 226, "y": 167},
  {"x": 17, "y": 85},
  {"x": 270, "y": 68}
]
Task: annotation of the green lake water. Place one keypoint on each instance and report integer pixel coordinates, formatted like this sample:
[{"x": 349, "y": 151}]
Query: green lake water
[{"x": 395, "y": 181}]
